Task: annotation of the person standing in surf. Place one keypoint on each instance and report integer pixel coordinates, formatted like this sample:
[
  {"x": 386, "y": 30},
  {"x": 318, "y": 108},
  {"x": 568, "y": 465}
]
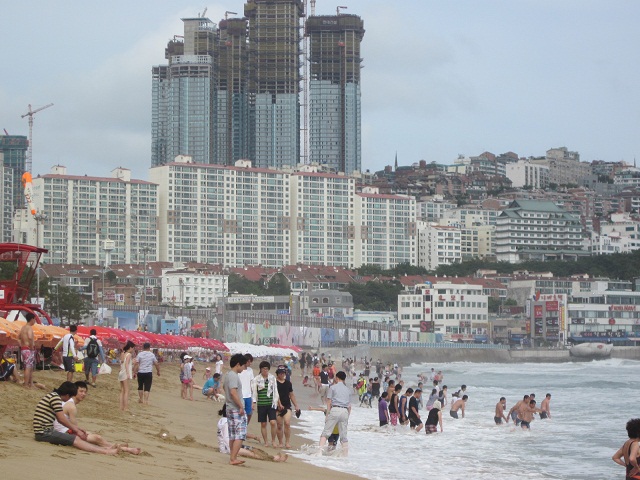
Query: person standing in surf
[{"x": 627, "y": 455}]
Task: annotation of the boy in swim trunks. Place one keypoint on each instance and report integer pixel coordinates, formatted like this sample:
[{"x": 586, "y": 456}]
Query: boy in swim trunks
[
  {"x": 458, "y": 405},
  {"x": 499, "y": 416},
  {"x": 28, "y": 349}
]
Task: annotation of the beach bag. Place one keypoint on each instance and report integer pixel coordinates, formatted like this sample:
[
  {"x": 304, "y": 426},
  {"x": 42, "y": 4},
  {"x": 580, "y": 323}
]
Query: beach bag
[
  {"x": 104, "y": 369},
  {"x": 93, "y": 349}
]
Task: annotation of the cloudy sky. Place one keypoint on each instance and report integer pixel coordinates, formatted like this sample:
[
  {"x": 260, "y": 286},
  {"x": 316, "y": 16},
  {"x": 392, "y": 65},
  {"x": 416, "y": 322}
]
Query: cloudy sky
[{"x": 440, "y": 78}]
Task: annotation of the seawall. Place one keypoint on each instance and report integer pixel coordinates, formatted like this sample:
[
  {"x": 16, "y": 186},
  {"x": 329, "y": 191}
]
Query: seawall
[{"x": 408, "y": 355}]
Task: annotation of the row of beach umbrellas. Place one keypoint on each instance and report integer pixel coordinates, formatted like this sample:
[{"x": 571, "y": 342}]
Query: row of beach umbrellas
[{"x": 50, "y": 335}]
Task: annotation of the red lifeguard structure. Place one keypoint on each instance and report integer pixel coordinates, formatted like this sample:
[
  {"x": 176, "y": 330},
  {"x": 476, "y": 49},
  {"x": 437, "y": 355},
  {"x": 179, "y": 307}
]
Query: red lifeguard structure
[{"x": 18, "y": 266}]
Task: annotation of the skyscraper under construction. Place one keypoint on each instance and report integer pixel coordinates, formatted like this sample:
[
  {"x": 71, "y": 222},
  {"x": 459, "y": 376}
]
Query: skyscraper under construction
[
  {"x": 232, "y": 91},
  {"x": 274, "y": 79},
  {"x": 183, "y": 95},
  {"x": 334, "y": 91}
]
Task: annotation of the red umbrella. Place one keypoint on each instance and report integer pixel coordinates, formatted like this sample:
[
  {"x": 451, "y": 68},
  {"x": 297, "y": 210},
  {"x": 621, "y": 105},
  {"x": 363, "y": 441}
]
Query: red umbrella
[{"x": 198, "y": 326}]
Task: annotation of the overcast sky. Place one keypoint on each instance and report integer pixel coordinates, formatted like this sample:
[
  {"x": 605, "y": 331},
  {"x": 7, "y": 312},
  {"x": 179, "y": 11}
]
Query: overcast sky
[{"x": 440, "y": 78}]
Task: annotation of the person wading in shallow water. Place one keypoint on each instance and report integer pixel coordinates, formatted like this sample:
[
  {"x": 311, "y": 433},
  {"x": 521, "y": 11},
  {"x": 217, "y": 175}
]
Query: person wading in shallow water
[
  {"x": 627, "y": 455},
  {"x": 338, "y": 411}
]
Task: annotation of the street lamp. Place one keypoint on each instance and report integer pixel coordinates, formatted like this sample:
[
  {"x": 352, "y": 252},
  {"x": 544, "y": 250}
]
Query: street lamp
[
  {"x": 146, "y": 249},
  {"x": 108, "y": 247},
  {"x": 38, "y": 217}
]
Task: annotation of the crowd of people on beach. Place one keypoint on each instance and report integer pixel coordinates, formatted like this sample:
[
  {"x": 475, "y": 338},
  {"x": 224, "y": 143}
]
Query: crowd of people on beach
[{"x": 271, "y": 396}]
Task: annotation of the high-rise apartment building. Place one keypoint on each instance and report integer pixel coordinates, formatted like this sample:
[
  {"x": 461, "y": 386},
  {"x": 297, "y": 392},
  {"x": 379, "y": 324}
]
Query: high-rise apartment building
[
  {"x": 6, "y": 203},
  {"x": 322, "y": 230},
  {"x": 82, "y": 212},
  {"x": 232, "y": 91},
  {"x": 334, "y": 91},
  {"x": 233, "y": 120},
  {"x": 242, "y": 215},
  {"x": 13, "y": 155},
  {"x": 183, "y": 95},
  {"x": 231, "y": 215},
  {"x": 385, "y": 229},
  {"x": 274, "y": 80}
]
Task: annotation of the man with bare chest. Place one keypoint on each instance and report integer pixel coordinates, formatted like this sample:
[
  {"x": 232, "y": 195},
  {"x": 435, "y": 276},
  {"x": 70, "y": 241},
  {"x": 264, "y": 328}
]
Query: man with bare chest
[{"x": 28, "y": 349}]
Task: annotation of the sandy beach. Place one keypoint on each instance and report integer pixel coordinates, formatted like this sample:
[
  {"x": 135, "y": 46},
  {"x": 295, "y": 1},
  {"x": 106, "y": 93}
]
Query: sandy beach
[{"x": 188, "y": 451}]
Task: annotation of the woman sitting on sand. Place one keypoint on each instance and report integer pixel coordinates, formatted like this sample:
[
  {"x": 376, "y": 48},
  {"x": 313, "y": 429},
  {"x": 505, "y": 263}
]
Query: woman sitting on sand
[{"x": 246, "y": 450}]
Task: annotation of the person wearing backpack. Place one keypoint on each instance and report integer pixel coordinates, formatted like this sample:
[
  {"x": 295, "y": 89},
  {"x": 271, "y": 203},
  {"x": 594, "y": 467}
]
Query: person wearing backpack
[{"x": 92, "y": 351}]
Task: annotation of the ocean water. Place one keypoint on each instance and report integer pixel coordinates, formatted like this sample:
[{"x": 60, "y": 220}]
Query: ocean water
[{"x": 590, "y": 405}]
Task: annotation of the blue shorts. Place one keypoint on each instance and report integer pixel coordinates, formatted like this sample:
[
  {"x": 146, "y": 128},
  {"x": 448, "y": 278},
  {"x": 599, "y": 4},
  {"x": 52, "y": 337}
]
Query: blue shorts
[
  {"x": 91, "y": 365},
  {"x": 248, "y": 403}
]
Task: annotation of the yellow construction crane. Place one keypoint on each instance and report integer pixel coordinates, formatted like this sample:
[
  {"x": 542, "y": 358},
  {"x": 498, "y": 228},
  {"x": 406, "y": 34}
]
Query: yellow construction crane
[{"x": 30, "y": 114}]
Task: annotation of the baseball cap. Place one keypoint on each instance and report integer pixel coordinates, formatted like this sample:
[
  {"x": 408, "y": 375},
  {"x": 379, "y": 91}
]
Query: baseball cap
[
  {"x": 281, "y": 369},
  {"x": 188, "y": 356}
]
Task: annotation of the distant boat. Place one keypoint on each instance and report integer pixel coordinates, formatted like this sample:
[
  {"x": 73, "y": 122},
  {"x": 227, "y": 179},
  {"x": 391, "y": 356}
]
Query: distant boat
[{"x": 591, "y": 350}]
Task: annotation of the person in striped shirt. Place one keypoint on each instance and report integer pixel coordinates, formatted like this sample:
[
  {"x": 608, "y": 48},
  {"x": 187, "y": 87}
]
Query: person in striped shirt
[
  {"x": 48, "y": 409},
  {"x": 265, "y": 396}
]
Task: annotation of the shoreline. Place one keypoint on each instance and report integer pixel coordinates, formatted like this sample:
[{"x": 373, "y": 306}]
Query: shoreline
[
  {"x": 409, "y": 355},
  {"x": 189, "y": 450}
]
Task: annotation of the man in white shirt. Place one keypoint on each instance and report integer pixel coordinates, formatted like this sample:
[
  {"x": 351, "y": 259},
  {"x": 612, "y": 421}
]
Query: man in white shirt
[
  {"x": 69, "y": 356},
  {"x": 246, "y": 376},
  {"x": 143, "y": 369}
]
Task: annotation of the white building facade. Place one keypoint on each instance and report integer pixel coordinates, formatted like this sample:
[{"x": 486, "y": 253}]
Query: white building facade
[
  {"x": 84, "y": 211},
  {"x": 438, "y": 245},
  {"x": 193, "y": 288},
  {"x": 619, "y": 235},
  {"x": 458, "y": 312},
  {"x": 537, "y": 230},
  {"x": 526, "y": 174},
  {"x": 385, "y": 229}
]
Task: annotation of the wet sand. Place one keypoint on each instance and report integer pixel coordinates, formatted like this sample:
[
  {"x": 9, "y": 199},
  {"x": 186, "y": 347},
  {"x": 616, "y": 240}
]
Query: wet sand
[{"x": 189, "y": 450}]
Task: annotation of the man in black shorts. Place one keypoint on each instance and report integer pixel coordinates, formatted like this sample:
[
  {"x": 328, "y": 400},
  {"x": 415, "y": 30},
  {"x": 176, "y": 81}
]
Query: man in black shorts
[
  {"x": 414, "y": 415},
  {"x": 69, "y": 357}
]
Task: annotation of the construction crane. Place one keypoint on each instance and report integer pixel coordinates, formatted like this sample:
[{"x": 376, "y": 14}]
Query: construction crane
[
  {"x": 227, "y": 13},
  {"x": 338, "y": 8},
  {"x": 30, "y": 114}
]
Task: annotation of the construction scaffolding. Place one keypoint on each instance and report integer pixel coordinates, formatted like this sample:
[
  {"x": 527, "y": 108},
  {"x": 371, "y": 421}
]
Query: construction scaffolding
[{"x": 334, "y": 87}]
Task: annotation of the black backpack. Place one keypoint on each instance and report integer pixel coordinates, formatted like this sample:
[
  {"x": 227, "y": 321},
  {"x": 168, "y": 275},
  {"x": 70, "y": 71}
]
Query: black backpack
[{"x": 93, "y": 349}]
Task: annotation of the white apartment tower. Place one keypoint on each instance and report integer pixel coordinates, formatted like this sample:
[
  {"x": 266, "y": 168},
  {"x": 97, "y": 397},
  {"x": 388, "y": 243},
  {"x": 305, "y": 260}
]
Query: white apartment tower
[
  {"x": 230, "y": 215},
  {"x": 322, "y": 218},
  {"x": 385, "y": 226},
  {"x": 83, "y": 211}
]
